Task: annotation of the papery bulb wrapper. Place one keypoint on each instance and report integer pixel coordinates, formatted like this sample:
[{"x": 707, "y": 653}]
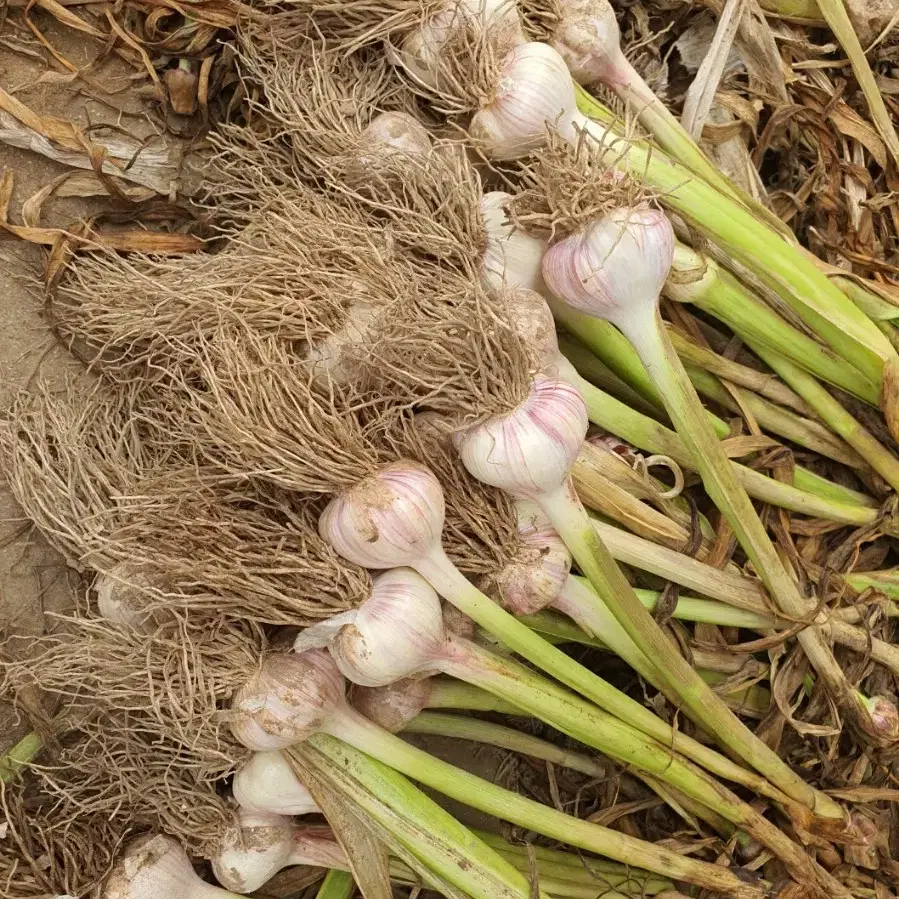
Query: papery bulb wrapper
[
  {"x": 589, "y": 40},
  {"x": 395, "y": 705},
  {"x": 287, "y": 701},
  {"x": 533, "y": 91},
  {"x": 156, "y": 867},
  {"x": 616, "y": 267},
  {"x": 534, "y": 579},
  {"x": 267, "y": 783},
  {"x": 389, "y": 520},
  {"x": 397, "y": 632},
  {"x": 528, "y": 452},
  {"x": 512, "y": 258}
]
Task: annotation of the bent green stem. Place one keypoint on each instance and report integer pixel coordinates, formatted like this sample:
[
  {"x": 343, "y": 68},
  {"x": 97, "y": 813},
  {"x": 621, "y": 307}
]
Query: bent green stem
[
  {"x": 812, "y": 495},
  {"x": 658, "y": 355},
  {"x": 354, "y": 731}
]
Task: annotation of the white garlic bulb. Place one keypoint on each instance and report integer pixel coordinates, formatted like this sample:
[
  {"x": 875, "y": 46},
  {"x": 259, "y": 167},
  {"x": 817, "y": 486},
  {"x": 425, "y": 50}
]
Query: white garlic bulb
[
  {"x": 589, "y": 40},
  {"x": 615, "y": 268},
  {"x": 266, "y": 782},
  {"x": 533, "y": 90},
  {"x": 156, "y": 867},
  {"x": 389, "y": 520},
  {"x": 530, "y": 451},
  {"x": 512, "y": 258}
]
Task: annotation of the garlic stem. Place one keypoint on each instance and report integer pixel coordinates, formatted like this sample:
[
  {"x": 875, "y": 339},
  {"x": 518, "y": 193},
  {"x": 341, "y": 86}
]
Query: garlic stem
[
  {"x": 338, "y": 884},
  {"x": 663, "y": 365},
  {"x": 840, "y": 421},
  {"x": 721, "y": 294},
  {"x": 508, "y": 806},
  {"x": 839, "y": 504},
  {"x": 478, "y": 731},
  {"x": 449, "y": 693},
  {"x": 19, "y": 756}
]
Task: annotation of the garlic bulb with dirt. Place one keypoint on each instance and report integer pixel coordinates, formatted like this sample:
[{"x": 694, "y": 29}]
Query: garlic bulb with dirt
[
  {"x": 156, "y": 867},
  {"x": 588, "y": 38},
  {"x": 258, "y": 845},
  {"x": 266, "y": 782},
  {"x": 278, "y": 707},
  {"x": 122, "y": 597},
  {"x": 396, "y": 633},
  {"x": 533, "y": 580},
  {"x": 394, "y": 705},
  {"x": 387, "y": 133}
]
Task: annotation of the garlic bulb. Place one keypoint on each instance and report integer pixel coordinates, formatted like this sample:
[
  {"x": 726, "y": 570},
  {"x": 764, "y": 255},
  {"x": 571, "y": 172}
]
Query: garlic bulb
[
  {"x": 156, "y": 867},
  {"x": 268, "y": 783},
  {"x": 529, "y": 452},
  {"x": 287, "y": 700},
  {"x": 541, "y": 566},
  {"x": 391, "y": 519},
  {"x": 884, "y": 718},
  {"x": 420, "y": 51},
  {"x": 392, "y": 706},
  {"x": 121, "y": 597},
  {"x": 616, "y": 267},
  {"x": 512, "y": 258},
  {"x": 533, "y": 90},
  {"x": 397, "y": 131},
  {"x": 258, "y": 846},
  {"x": 397, "y": 632},
  {"x": 589, "y": 40}
]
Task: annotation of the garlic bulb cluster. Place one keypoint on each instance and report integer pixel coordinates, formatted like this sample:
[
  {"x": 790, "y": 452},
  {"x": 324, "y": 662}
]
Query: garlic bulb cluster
[
  {"x": 615, "y": 268},
  {"x": 588, "y": 38},
  {"x": 287, "y": 700},
  {"x": 259, "y": 845},
  {"x": 156, "y": 867},
  {"x": 530, "y": 451},
  {"x": 389, "y": 520},
  {"x": 396, "y": 633},
  {"x": 532, "y": 582},
  {"x": 268, "y": 783},
  {"x": 533, "y": 91},
  {"x": 394, "y": 705},
  {"x": 512, "y": 257}
]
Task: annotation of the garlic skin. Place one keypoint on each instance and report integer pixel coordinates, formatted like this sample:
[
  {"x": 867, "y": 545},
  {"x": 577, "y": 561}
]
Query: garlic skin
[
  {"x": 389, "y": 520},
  {"x": 258, "y": 846},
  {"x": 287, "y": 700},
  {"x": 529, "y": 452},
  {"x": 535, "y": 578},
  {"x": 589, "y": 40},
  {"x": 156, "y": 867},
  {"x": 267, "y": 783},
  {"x": 397, "y": 131},
  {"x": 419, "y": 52},
  {"x": 398, "y": 632},
  {"x": 121, "y": 597},
  {"x": 512, "y": 258},
  {"x": 616, "y": 267},
  {"x": 533, "y": 90},
  {"x": 394, "y": 705}
]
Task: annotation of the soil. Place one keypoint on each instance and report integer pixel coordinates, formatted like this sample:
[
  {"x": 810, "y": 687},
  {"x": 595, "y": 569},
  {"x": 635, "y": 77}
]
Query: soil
[{"x": 34, "y": 580}]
